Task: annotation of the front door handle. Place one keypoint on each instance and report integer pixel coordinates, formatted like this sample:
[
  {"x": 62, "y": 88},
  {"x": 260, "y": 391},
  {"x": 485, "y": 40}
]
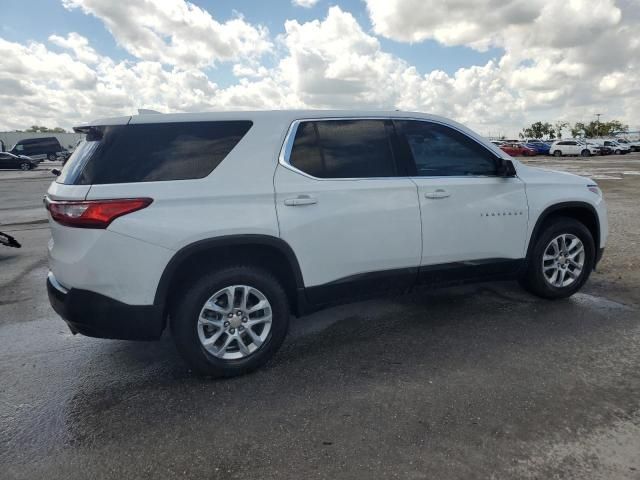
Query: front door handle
[
  {"x": 439, "y": 193},
  {"x": 300, "y": 200}
]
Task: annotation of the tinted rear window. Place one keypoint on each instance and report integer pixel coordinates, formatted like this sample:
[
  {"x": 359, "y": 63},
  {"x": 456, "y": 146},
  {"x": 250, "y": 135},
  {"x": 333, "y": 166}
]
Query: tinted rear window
[
  {"x": 305, "y": 154},
  {"x": 152, "y": 152}
]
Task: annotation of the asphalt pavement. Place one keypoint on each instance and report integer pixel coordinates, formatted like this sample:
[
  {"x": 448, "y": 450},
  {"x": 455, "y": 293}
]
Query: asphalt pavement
[{"x": 484, "y": 381}]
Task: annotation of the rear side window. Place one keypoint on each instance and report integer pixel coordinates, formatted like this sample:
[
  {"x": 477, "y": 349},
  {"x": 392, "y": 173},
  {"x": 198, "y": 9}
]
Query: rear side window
[
  {"x": 344, "y": 149},
  {"x": 152, "y": 152},
  {"x": 440, "y": 151},
  {"x": 305, "y": 154}
]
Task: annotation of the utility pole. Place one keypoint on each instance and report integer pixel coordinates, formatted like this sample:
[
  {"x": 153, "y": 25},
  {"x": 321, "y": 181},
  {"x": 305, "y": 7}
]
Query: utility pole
[{"x": 598, "y": 124}]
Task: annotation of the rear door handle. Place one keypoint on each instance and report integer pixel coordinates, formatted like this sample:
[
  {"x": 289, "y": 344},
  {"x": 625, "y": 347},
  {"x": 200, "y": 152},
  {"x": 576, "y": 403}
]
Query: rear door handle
[
  {"x": 300, "y": 200},
  {"x": 439, "y": 193}
]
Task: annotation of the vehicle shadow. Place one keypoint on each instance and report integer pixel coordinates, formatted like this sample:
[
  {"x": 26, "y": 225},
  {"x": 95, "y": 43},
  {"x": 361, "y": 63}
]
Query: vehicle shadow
[{"x": 413, "y": 341}]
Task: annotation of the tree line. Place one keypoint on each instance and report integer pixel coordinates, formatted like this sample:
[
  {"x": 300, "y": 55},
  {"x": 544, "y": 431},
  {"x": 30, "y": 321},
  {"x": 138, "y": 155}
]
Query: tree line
[
  {"x": 41, "y": 129},
  {"x": 595, "y": 128}
]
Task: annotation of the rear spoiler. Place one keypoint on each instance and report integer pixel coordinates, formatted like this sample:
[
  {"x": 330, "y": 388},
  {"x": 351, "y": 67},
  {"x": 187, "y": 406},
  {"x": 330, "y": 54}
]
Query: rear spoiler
[{"x": 103, "y": 122}]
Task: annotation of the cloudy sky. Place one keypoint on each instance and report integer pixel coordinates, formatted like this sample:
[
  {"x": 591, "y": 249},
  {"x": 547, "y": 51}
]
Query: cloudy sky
[{"x": 494, "y": 65}]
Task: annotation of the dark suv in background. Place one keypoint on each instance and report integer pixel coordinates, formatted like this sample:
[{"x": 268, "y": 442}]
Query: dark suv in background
[{"x": 40, "y": 148}]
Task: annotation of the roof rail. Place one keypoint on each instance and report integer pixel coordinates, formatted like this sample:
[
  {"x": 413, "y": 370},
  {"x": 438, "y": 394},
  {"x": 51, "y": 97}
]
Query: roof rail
[{"x": 146, "y": 111}]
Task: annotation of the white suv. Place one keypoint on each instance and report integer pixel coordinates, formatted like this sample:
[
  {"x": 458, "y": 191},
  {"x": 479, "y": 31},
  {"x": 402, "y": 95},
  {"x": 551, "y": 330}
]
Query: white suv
[
  {"x": 218, "y": 225},
  {"x": 573, "y": 147}
]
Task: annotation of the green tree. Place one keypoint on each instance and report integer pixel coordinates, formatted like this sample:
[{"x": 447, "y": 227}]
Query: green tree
[
  {"x": 614, "y": 126},
  {"x": 537, "y": 130},
  {"x": 558, "y": 127},
  {"x": 578, "y": 129},
  {"x": 41, "y": 129},
  {"x": 598, "y": 129}
]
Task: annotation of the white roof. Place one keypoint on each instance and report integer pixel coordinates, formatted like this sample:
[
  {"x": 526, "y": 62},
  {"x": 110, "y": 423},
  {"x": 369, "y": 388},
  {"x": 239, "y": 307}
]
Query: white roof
[{"x": 271, "y": 115}]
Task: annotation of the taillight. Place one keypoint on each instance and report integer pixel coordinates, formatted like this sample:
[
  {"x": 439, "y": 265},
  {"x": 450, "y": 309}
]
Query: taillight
[{"x": 93, "y": 213}]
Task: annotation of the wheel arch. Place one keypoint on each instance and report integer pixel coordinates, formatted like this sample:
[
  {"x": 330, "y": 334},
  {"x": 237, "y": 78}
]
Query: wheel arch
[
  {"x": 582, "y": 211},
  {"x": 265, "y": 251}
]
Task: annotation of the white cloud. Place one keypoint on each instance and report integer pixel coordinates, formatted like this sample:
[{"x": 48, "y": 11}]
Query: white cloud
[
  {"x": 479, "y": 23},
  {"x": 562, "y": 58},
  {"x": 78, "y": 44},
  {"x": 547, "y": 70},
  {"x": 175, "y": 32},
  {"x": 305, "y": 3},
  {"x": 334, "y": 62}
]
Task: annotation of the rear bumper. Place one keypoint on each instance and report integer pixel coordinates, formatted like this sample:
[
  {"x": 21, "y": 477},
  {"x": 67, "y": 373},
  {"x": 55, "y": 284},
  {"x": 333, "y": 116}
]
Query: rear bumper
[{"x": 96, "y": 315}]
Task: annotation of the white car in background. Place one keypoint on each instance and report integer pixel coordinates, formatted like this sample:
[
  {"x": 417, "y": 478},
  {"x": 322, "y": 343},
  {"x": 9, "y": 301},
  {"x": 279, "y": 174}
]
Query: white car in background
[
  {"x": 634, "y": 145},
  {"x": 573, "y": 147},
  {"x": 616, "y": 147}
]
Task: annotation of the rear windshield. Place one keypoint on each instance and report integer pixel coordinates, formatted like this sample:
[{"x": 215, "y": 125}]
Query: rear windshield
[{"x": 151, "y": 152}]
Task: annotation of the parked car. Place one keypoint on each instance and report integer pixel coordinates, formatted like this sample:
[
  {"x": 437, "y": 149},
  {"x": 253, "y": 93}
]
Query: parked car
[
  {"x": 612, "y": 145},
  {"x": 573, "y": 147},
  {"x": 517, "y": 149},
  {"x": 218, "y": 225},
  {"x": 539, "y": 146},
  {"x": 599, "y": 148},
  {"x": 602, "y": 149},
  {"x": 39, "y": 148},
  {"x": 634, "y": 145},
  {"x": 618, "y": 148},
  {"x": 9, "y": 160}
]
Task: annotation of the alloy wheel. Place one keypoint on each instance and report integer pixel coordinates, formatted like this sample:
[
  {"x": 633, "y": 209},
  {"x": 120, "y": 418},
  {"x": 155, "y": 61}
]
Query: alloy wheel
[
  {"x": 563, "y": 260},
  {"x": 235, "y": 322}
]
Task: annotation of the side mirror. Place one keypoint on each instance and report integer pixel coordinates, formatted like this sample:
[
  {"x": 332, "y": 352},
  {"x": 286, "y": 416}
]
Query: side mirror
[
  {"x": 506, "y": 168},
  {"x": 55, "y": 171}
]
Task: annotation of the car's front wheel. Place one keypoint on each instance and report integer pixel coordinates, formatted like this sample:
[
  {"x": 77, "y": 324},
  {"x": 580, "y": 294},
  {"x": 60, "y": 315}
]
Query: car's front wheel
[
  {"x": 585, "y": 153},
  {"x": 231, "y": 321},
  {"x": 24, "y": 166},
  {"x": 561, "y": 259},
  {"x": 51, "y": 156}
]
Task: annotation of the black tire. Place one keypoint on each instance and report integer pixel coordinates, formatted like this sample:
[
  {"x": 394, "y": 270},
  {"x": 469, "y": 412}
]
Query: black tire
[
  {"x": 557, "y": 153},
  {"x": 51, "y": 157},
  {"x": 617, "y": 152},
  {"x": 185, "y": 311},
  {"x": 585, "y": 153},
  {"x": 533, "y": 279},
  {"x": 24, "y": 166}
]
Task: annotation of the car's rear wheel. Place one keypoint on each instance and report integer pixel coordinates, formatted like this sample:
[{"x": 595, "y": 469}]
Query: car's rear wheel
[
  {"x": 230, "y": 322},
  {"x": 24, "y": 166},
  {"x": 51, "y": 156},
  {"x": 618, "y": 152},
  {"x": 557, "y": 153},
  {"x": 560, "y": 260},
  {"x": 585, "y": 153}
]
